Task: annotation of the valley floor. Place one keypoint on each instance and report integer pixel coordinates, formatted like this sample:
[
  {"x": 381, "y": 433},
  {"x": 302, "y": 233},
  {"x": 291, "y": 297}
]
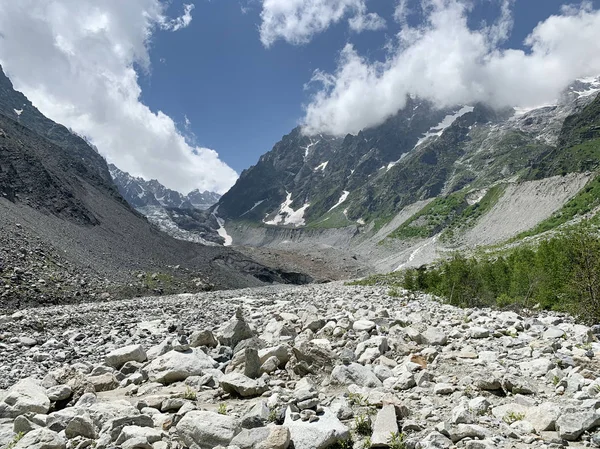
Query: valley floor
[{"x": 318, "y": 364}]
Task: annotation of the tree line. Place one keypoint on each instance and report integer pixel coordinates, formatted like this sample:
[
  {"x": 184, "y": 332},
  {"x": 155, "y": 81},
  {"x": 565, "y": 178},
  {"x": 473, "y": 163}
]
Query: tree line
[{"x": 561, "y": 273}]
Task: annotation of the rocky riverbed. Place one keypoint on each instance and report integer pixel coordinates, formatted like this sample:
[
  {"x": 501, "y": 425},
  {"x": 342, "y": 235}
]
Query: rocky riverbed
[{"x": 304, "y": 367}]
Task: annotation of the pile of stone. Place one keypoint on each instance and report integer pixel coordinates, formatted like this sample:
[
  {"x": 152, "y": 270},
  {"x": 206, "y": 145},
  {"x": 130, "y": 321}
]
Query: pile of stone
[{"x": 306, "y": 367}]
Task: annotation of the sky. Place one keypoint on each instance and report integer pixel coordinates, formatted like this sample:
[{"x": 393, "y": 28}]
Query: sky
[{"x": 192, "y": 92}]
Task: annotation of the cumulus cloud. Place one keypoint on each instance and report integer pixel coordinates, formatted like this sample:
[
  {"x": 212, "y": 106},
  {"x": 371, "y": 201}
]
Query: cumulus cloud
[
  {"x": 445, "y": 61},
  {"x": 75, "y": 60},
  {"x": 297, "y": 21}
]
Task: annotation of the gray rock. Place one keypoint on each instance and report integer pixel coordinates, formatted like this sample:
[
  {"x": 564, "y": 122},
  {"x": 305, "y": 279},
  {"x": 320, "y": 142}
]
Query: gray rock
[
  {"x": 251, "y": 363},
  {"x": 317, "y": 434},
  {"x": 203, "y": 338},
  {"x": 207, "y": 430},
  {"x": 479, "y": 332},
  {"x": 443, "y": 389},
  {"x": 435, "y": 440},
  {"x": 234, "y": 331},
  {"x": 572, "y": 423},
  {"x": 257, "y": 416},
  {"x": 59, "y": 393},
  {"x": 543, "y": 417},
  {"x": 80, "y": 426},
  {"x": 355, "y": 374},
  {"x": 385, "y": 425},
  {"x": 41, "y": 439},
  {"x": 242, "y": 385},
  {"x": 434, "y": 337},
  {"x": 118, "y": 357},
  {"x": 363, "y": 326},
  {"x": 176, "y": 366},
  {"x": 26, "y": 396},
  {"x": 279, "y": 438},
  {"x": 251, "y": 438},
  {"x": 104, "y": 382}
]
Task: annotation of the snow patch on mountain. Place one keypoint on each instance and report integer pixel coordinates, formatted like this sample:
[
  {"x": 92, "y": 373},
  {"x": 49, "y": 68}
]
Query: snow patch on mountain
[
  {"x": 18, "y": 112},
  {"x": 287, "y": 215},
  {"x": 322, "y": 166},
  {"x": 258, "y": 203},
  {"x": 343, "y": 198},
  {"x": 437, "y": 130},
  {"x": 222, "y": 231},
  {"x": 308, "y": 147}
]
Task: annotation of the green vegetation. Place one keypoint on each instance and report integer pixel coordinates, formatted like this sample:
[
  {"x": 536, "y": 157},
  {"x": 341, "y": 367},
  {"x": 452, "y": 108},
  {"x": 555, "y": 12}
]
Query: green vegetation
[
  {"x": 512, "y": 417},
  {"x": 562, "y": 273},
  {"x": 449, "y": 214},
  {"x": 433, "y": 217},
  {"x": 397, "y": 441},
  {"x": 469, "y": 216},
  {"x": 272, "y": 414},
  {"x": 15, "y": 440},
  {"x": 344, "y": 444},
  {"x": 394, "y": 279},
  {"x": 189, "y": 394},
  {"x": 222, "y": 409},
  {"x": 357, "y": 399},
  {"x": 362, "y": 425},
  {"x": 582, "y": 203}
]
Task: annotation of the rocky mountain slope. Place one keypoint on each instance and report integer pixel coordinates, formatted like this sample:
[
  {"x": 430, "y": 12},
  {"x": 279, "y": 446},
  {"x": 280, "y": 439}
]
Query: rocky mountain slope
[
  {"x": 422, "y": 182},
  {"x": 322, "y": 366},
  {"x": 68, "y": 235},
  {"x": 139, "y": 193},
  {"x": 176, "y": 214}
]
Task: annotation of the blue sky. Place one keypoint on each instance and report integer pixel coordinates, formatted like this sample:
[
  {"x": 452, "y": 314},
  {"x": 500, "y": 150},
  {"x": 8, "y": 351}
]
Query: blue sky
[
  {"x": 241, "y": 97},
  {"x": 126, "y": 74}
]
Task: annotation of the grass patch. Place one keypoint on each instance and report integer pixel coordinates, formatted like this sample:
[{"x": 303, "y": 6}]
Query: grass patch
[{"x": 432, "y": 218}]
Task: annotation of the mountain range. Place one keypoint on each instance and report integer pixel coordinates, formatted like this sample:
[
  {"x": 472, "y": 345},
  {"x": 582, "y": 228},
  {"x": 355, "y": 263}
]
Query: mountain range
[{"x": 422, "y": 182}]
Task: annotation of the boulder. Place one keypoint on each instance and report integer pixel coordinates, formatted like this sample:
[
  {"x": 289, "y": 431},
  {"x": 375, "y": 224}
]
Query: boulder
[
  {"x": 317, "y": 434},
  {"x": 26, "y": 396},
  {"x": 572, "y": 423},
  {"x": 385, "y": 425},
  {"x": 41, "y": 439},
  {"x": 279, "y": 438},
  {"x": 363, "y": 326},
  {"x": 355, "y": 373},
  {"x": 80, "y": 426},
  {"x": 203, "y": 338},
  {"x": 251, "y": 438},
  {"x": 242, "y": 385},
  {"x": 234, "y": 331},
  {"x": 119, "y": 357},
  {"x": 175, "y": 366},
  {"x": 434, "y": 337},
  {"x": 206, "y": 430}
]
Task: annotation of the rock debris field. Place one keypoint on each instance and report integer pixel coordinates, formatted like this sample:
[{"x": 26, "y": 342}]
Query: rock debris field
[{"x": 295, "y": 367}]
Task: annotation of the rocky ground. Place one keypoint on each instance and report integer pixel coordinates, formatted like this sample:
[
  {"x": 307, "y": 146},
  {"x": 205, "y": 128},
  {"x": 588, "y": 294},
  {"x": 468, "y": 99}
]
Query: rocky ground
[{"x": 304, "y": 367}]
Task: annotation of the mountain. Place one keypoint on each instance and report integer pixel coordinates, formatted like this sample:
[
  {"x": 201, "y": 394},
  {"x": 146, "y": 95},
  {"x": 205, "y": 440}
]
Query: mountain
[
  {"x": 180, "y": 216},
  {"x": 426, "y": 173},
  {"x": 140, "y": 193},
  {"x": 68, "y": 235}
]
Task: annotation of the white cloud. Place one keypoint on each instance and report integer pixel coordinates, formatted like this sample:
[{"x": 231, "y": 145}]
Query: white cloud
[
  {"x": 179, "y": 22},
  {"x": 297, "y": 21},
  {"x": 75, "y": 59},
  {"x": 366, "y": 22},
  {"x": 445, "y": 61}
]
